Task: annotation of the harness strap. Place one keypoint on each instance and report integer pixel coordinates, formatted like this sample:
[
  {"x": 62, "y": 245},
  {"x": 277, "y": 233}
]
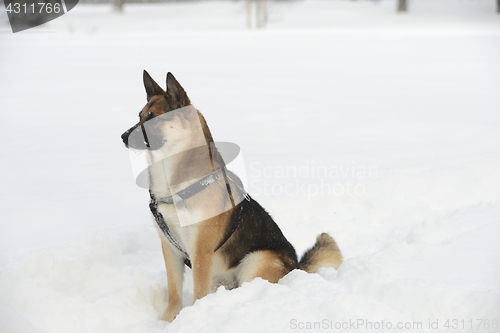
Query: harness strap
[
  {"x": 187, "y": 193},
  {"x": 235, "y": 225},
  {"x": 191, "y": 190},
  {"x": 153, "y": 206}
]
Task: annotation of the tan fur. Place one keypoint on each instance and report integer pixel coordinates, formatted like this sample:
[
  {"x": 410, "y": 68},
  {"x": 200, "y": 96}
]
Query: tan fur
[
  {"x": 174, "y": 283},
  {"x": 264, "y": 264},
  {"x": 209, "y": 232},
  {"x": 325, "y": 253}
]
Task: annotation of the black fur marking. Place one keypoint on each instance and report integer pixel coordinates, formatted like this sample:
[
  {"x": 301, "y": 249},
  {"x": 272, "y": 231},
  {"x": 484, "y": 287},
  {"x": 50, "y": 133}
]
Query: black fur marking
[
  {"x": 308, "y": 257},
  {"x": 258, "y": 231},
  {"x": 235, "y": 223}
]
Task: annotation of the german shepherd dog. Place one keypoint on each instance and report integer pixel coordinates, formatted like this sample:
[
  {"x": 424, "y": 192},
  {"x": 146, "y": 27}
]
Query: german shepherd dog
[{"x": 234, "y": 239}]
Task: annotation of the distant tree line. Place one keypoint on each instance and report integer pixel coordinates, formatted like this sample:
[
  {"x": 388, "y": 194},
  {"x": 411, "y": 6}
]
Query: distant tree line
[{"x": 256, "y": 14}]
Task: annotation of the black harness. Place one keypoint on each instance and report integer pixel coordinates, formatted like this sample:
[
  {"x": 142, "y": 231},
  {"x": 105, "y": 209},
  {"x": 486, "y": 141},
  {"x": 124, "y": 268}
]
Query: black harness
[{"x": 188, "y": 192}]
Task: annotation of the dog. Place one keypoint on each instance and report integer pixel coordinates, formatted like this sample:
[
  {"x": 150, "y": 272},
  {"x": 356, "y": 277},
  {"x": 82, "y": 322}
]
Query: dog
[{"x": 203, "y": 215}]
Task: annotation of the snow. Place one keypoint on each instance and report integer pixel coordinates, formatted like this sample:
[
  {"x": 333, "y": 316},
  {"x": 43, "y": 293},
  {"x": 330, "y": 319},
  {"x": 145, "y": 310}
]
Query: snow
[{"x": 379, "y": 128}]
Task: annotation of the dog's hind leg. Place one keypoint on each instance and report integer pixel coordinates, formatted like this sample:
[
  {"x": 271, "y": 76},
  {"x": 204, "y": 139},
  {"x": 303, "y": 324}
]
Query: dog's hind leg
[
  {"x": 265, "y": 264},
  {"x": 174, "y": 264}
]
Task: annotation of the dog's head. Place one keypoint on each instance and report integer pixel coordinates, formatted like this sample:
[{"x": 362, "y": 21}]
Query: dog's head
[{"x": 159, "y": 120}]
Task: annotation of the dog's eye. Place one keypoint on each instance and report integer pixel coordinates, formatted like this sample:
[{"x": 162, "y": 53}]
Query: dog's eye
[{"x": 150, "y": 115}]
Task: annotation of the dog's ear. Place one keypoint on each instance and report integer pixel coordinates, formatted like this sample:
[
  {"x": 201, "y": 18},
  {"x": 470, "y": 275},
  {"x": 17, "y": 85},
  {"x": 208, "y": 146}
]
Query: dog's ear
[
  {"x": 176, "y": 95},
  {"x": 152, "y": 88}
]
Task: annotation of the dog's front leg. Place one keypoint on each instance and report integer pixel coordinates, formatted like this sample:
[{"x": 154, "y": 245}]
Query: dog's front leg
[
  {"x": 174, "y": 264},
  {"x": 202, "y": 272}
]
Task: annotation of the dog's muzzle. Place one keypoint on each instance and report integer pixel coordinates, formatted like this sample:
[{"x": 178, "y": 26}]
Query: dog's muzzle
[{"x": 143, "y": 135}]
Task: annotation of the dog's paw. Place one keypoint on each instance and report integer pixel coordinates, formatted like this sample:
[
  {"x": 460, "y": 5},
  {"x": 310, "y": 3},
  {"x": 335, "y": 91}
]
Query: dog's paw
[{"x": 170, "y": 314}]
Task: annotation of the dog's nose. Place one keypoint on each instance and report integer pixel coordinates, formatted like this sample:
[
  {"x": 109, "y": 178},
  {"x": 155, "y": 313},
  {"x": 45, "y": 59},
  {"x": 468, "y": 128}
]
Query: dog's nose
[{"x": 125, "y": 137}]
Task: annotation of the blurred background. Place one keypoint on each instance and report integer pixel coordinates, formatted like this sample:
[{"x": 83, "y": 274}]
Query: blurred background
[{"x": 258, "y": 14}]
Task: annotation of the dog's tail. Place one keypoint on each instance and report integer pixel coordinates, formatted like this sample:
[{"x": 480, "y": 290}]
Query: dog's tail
[{"x": 325, "y": 253}]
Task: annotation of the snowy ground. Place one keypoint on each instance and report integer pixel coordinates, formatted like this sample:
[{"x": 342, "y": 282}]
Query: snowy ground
[{"x": 381, "y": 129}]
